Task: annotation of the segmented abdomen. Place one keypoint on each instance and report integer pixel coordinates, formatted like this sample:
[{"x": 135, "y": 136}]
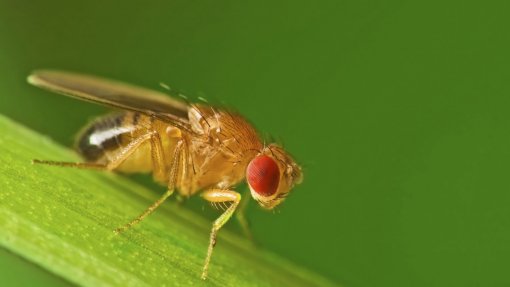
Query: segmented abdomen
[{"x": 106, "y": 135}]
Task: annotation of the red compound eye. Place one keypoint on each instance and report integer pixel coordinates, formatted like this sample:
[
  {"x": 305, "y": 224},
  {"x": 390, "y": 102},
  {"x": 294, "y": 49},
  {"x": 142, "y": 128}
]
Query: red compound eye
[{"x": 263, "y": 175}]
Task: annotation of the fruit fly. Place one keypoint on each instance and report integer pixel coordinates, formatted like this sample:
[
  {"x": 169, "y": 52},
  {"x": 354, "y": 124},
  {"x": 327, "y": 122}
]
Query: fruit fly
[{"x": 191, "y": 148}]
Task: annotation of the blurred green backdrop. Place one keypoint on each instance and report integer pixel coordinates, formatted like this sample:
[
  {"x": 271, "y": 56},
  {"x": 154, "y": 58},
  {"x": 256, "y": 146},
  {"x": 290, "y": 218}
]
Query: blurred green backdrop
[{"x": 399, "y": 111}]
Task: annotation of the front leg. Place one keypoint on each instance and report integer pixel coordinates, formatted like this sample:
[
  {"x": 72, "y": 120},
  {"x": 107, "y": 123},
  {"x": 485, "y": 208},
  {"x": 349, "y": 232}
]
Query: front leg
[{"x": 213, "y": 196}]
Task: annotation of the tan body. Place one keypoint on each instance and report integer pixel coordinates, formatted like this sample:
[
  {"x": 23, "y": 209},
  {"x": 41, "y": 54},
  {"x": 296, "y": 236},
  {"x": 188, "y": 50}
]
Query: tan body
[
  {"x": 216, "y": 158},
  {"x": 187, "y": 147}
]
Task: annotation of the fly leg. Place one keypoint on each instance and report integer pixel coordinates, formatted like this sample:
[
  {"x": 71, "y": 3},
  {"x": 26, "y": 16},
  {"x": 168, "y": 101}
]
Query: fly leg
[
  {"x": 112, "y": 164},
  {"x": 241, "y": 217},
  {"x": 213, "y": 196},
  {"x": 159, "y": 168},
  {"x": 170, "y": 186},
  {"x": 84, "y": 165}
]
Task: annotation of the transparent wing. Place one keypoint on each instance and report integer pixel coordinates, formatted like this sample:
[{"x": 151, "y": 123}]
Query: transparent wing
[{"x": 114, "y": 94}]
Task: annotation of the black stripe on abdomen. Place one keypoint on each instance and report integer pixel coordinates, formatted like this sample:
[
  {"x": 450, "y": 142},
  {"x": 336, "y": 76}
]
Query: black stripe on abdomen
[{"x": 102, "y": 135}]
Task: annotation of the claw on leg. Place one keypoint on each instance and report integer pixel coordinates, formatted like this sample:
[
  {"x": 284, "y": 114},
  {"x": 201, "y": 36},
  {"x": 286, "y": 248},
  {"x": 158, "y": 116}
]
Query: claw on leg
[{"x": 148, "y": 211}]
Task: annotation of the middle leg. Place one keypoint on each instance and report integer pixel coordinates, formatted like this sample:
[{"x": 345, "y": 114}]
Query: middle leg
[{"x": 174, "y": 170}]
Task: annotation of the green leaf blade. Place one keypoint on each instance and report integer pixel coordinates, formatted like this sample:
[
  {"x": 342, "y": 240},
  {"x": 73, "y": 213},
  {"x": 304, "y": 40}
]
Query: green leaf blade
[{"x": 63, "y": 220}]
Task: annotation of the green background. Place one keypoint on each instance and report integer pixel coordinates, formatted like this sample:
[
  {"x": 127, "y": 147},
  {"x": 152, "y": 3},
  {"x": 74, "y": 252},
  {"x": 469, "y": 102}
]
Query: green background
[{"x": 397, "y": 110}]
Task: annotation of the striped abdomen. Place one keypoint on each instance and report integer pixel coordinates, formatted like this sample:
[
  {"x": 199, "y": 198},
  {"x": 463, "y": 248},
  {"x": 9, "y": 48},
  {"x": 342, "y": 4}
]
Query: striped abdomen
[
  {"x": 122, "y": 139},
  {"x": 103, "y": 139}
]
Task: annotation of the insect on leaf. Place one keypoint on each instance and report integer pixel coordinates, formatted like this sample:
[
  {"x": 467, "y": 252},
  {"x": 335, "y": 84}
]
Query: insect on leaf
[{"x": 62, "y": 219}]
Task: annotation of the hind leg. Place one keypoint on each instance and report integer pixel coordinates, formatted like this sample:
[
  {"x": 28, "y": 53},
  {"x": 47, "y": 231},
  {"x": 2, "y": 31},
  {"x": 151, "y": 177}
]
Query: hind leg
[{"x": 113, "y": 163}]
